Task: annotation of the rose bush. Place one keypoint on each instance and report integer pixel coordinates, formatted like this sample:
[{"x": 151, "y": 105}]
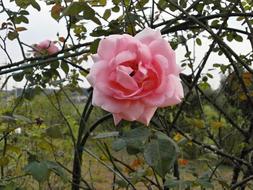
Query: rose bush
[
  {"x": 133, "y": 76},
  {"x": 46, "y": 47}
]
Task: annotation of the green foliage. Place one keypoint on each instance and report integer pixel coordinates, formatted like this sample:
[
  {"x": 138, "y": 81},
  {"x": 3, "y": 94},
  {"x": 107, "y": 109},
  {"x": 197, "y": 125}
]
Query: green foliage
[{"x": 161, "y": 154}]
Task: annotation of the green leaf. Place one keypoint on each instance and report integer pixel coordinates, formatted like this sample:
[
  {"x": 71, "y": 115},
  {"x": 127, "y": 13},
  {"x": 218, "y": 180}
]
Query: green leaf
[
  {"x": 73, "y": 9},
  {"x": 209, "y": 75},
  {"x": 215, "y": 23},
  {"x": 161, "y": 154},
  {"x": 77, "y": 7},
  {"x": 118, "y": 144},
  {"x": 141, "y": 4},
  {"x": 35, "y": 5},
  {"x": 21, "y": 19},
  {"x": 88, "y": 12},
  {"x": 23, "y": 3},
  {"x": 65, "y": 67},
  {"x": 96, "y": 20},
  {"x": 162, "y": 4},
  {"x": 238, "y": 38},
  {"x": 198, "y": 41},
  {"x": 54, "y": 65},
  {"x": 18, "y": 76},
  {"x": 57, "y": 169},
  {"x": 230, "y": 37},
  {"x": 115, "y": 9},
  {"x": 38, "y": 170},
  {"x": 54, "y": 132},
  {"x": 94, "y": 46},
  {"x": 136, "y": 138},
  {"x": 98, "y": 2},
  {"x": 183, "y": 3},
  {"x": 107, "y": 14},
  {"x": 12, "y": 35}
]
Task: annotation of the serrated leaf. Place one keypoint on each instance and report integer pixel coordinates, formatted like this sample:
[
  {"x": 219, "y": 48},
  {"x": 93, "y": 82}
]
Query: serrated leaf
[
  {"x": 54, "y": 132},
  {"x": 141, "y": 3},
  {"x": 73, "y": 9},
  {"x": 57, "y": 169},
  {"x": 12, "y": 35},
  {"x": 23, "y": 3},
  {"x": 135, "y": 139},
  {"x": 35, "y": 5},
  {"x": 107, "y": 14},
  {"x": 88, "y": 12},
  {"x": 118, "y": 144},
  {"x": 238, "y": 38},
  {"x": 160, "y": 154},
  {"x": 115, "y": 9},
  {"x": 38, "y": 170},
  {"x": 94, "y": 46},
  {"x": 54, "y": 65},
  {"x": 65, "y": 67},
  {"x": 56, "y": 11}
]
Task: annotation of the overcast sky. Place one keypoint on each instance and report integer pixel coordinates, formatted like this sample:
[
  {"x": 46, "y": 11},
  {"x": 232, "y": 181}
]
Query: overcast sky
[{"x": 41, "y": 26}]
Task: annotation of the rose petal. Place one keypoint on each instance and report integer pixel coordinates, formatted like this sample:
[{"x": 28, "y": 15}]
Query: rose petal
[
  {"x": 134, "y": 111},
  {"x": 148, "y": 35},
  {"x": 108, "y": 103},
  {"x": 116, "y": 118},
  {"x": 107, "y": 48},
  {"x": 125, "y": 80},
  {"x": 124, "y": 57},
  {"x": 95, "y": 71},
  {"x": 147, "y": 115},
  {"x": 177, "y": 95},
  {"x": 160, "y": 47}
]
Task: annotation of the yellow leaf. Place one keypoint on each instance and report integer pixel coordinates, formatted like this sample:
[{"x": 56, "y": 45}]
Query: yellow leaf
[
  {"x": 216, "y": 124},
  {"x": 177, "y": 137}
]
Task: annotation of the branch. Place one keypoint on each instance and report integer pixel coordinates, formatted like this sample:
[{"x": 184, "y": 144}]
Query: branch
[{"x": 42, "y": 62}]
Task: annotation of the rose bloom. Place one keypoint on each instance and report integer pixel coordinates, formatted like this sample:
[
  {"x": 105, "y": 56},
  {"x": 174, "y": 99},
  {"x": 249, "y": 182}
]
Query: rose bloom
[
  {"x": 133, "y": 76},
  {"x": 46, "y": 47}
]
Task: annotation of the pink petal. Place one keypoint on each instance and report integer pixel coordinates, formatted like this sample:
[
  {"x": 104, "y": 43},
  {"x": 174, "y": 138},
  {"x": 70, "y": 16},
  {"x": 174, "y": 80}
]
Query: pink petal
[
  {"x": 53, "y": 49},
  {"x": 44, "y": 45},
  {"x": 116, "y": 118},
  {"x": 144, "y": 55},
  {"x": 154, "y": 99},
  {"x": 107, "y": 48},
  {"x": 178, "y": 93},
  {"x": 147, "y": 115},
  {"x": 148, "y": 35},
  {"x": 161, "y": 47},
  {"x": 95, "y": 71},
  {"x": 125, "y": 80},
  {"x": 108, "y": 103},
  {"x": 134, "y": 111},
  {"x": 125, "y": 56}
]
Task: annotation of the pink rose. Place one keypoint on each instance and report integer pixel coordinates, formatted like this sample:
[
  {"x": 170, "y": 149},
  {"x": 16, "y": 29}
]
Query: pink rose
[
  {"x": 46, "y": 47},
  {"x": 133, "y": 76}
]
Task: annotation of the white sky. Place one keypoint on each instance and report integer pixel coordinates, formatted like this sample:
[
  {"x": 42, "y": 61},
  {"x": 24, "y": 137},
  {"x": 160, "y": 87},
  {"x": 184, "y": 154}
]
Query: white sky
[{"x": 41, "y": 26}]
